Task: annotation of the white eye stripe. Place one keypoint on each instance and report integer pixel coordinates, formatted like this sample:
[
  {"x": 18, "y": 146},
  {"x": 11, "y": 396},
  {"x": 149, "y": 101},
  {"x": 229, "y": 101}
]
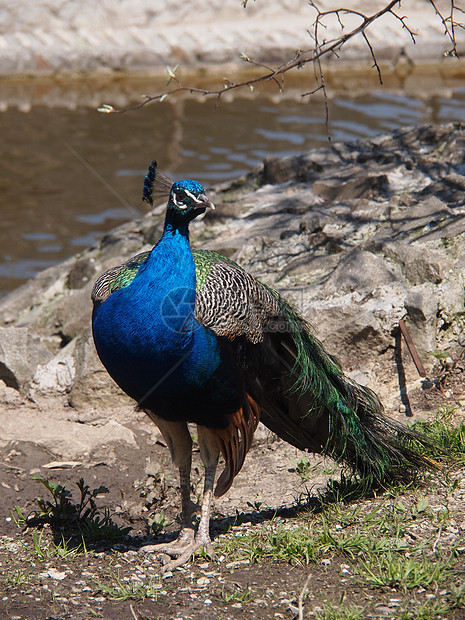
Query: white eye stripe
[
  {"x": 191, "y": 195},
  {"x": 181, "y": 205},
  {"x": 194, "y": 198}
]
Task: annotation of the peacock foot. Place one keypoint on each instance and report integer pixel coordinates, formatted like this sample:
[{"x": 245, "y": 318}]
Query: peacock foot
[
  {"x": 182, "y": 549},
  {"x": 174, "y": 548}
]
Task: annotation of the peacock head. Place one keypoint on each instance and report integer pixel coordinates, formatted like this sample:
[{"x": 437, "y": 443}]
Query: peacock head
[{"x": 187, "y": 198}]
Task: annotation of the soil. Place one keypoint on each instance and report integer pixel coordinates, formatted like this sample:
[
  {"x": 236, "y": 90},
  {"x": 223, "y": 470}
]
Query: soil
[{"x": 141, "y": 482}]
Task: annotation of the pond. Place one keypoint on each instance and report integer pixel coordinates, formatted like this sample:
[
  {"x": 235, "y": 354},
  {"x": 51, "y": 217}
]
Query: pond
[{"x": 69, "y": 174}]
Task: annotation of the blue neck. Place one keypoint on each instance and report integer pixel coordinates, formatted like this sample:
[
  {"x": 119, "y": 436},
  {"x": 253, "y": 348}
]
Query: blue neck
[
  {"x": 176, "y": 224},
  {"x": 167, "y": 280},
  {"x": 147, "y": 335}
]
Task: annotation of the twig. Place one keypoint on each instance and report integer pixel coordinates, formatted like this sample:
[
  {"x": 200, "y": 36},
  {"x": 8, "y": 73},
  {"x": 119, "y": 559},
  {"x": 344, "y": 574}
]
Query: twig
[
  {"x": 404, "y": 25},
  {"x": 301, "y": 598},
  {"x": 302, "y": 58},
  {"x": 321, "y": 48},
  {"x": 411, "y": 348},
  {"x": 435, "y": 544},
  {"x": 375, "y": 62},
  {"x": 449, "y": 24},
  {"x": 12, "y": 466}
]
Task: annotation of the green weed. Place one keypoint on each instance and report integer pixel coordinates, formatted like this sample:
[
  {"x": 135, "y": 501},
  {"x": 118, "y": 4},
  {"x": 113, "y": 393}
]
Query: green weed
[
  {"x": 341, "y": 612},
  {"x": 444, "y": 433},
  {"x": 158, "y": 522},
  {"x": 46, "y": 550},
  {"x": 303, "y": 468},
  {"x": 16, "y": 578},
  {"x": 255, "y": 506},
  {"x": 405, "y": 573},
  {"x": 306, "y": 542},
  {"x": 438, "y": 607},
  {"x": 274, "y": 543},
  {"x": 347, "y": 489},
  {"x": 121, "y": 590},
  {"x": 235, "y": 595},
  {"x": 73, "y": 524},
  {"x": 357, "y": 543}
]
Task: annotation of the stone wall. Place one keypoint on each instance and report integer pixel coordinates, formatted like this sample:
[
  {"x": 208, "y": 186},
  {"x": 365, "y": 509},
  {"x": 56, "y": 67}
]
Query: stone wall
[{"x": 69, "y": 37}]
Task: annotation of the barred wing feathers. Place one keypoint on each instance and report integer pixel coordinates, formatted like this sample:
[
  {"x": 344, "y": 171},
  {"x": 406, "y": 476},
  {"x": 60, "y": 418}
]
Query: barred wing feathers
[{"x": 117, "y": 277}]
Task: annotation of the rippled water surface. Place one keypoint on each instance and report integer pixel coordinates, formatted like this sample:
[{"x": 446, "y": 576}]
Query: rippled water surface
[{"x": 68, "y": 175}]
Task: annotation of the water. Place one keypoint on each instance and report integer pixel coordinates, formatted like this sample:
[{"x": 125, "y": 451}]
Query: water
[{"x": 69, "y": 174}]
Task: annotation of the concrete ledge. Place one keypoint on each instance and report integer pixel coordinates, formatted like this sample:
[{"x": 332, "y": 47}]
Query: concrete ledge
[{"x": 70, "y": 38}]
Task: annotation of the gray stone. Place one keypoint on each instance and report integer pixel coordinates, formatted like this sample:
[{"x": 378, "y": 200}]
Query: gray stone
[
  {"x": 357, "y": 327},
  {"x": 57, "y": 375},
  {"x": 80, "y": 274},
  {"x": 50, "y": 37},
  {"x": 21, "y": 352},
  {"x": 92, "y": 386},
  {"x": 359, "y": 270},
  {"x": 362, "y": 186},
  {"x": 418, "y": 264},
  {"x": 72, "y": 313}
]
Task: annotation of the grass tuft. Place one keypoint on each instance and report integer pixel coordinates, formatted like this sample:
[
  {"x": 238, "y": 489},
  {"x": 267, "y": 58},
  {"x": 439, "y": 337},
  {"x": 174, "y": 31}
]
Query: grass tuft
[
  {"x": 447, "y": 436},
  {"x": 340, "y": 612},
  {"x": 406, "y": 573},
  {"x": 73, "y": 524},
  {"x": 235, "y": 594},
  {"x": 123, "y": 589}
]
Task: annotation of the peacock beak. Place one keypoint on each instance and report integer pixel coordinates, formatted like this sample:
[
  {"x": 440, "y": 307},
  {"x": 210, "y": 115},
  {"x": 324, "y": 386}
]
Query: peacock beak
[{"x": 204, "y": 202}]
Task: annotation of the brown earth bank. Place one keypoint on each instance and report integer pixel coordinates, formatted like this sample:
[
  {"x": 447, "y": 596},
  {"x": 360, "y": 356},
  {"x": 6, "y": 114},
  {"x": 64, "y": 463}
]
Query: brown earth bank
[{"x": 42, "y": 578}]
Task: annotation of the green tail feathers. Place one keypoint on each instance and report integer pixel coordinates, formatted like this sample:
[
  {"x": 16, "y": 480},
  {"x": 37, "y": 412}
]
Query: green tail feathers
[{"x": 359, "y": 434}]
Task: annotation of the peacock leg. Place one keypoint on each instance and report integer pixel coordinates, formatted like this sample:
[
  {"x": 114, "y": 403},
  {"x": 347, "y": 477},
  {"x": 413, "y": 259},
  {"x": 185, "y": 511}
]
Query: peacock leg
[
  {"x": 177, "y": 436},
  {"x": 209, "y": 453}
]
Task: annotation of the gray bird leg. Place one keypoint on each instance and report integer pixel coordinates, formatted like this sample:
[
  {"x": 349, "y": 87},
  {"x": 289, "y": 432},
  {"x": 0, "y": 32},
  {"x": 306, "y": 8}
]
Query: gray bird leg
[
  {"x": 209, "y": 453},
  {"x": 178, "y": 439}
]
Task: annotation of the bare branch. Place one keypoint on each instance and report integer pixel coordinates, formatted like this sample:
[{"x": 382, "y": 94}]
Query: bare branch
[
  {"x": 450, "y": 25},
  {"x": 375, "y": 62},
  {"x": 403, "y": 21},
  {"x": 321, "y": 48}
]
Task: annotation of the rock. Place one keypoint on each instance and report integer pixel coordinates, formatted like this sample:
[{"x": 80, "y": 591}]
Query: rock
[
  {"x": 359, "y": 270},
  {"x": 64, "y": 437},
  {"x": 18, "y": 307},
  {"x": 279, "y": 170},
  {"x": 21, "y": 352},
  {"x": 363, "y": 186},
  {"x": 92, "y": 386},
  {"x": 57, "y": 375},
  {"x": 9, "y": 396},
  {"x": 52, "y": 38},
  {"x": 80, "y": 274},
  {"x": 354, "y": 328},
  {"x": 72, "y": 313},
  {"x": 418, "y": 264}
]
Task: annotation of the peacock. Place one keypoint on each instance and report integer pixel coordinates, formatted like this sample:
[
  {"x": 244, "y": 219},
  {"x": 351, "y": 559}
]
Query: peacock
[{"x": 193, "y": 338}]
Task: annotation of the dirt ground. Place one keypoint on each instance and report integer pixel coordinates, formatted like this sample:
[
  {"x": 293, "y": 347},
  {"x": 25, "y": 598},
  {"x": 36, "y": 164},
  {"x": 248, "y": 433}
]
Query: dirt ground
[{"x": 39, "y": 583}]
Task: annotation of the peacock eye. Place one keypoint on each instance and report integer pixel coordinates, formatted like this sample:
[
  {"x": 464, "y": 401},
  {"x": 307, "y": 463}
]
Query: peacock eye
[{"x": 181, "y": 195}]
